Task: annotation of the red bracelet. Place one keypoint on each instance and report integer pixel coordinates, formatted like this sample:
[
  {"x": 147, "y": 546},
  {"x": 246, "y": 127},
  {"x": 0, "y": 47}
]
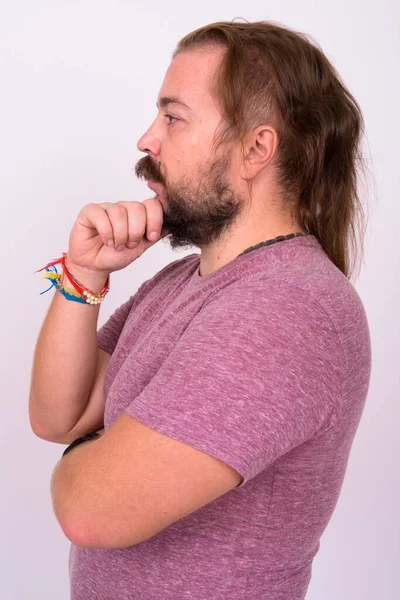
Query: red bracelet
[{"x": 86, "y": 295}]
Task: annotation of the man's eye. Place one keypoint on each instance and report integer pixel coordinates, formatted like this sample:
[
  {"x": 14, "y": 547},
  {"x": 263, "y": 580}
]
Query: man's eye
[{"x": 171, "y": 117}]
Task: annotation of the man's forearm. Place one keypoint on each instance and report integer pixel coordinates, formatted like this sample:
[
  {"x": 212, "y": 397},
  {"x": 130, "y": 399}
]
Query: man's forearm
[{"x": 64, "y": 363}]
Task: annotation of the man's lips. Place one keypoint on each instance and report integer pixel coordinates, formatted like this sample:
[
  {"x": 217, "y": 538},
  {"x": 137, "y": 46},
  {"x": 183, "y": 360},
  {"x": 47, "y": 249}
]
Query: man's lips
[{"x": 155, "y": 187}]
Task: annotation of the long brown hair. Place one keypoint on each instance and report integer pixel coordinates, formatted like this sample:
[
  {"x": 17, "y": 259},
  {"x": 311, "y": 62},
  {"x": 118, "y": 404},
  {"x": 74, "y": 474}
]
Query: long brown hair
[{"x": 272, "y": 74}]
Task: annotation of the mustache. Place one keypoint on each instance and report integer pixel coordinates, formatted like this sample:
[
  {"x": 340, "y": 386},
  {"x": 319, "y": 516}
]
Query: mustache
[{"x": 146, "y": 169}]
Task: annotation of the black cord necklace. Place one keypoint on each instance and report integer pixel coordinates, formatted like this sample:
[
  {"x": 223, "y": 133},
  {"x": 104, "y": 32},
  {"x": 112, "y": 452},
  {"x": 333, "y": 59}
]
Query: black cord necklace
[{"x": 279, "y": 238}]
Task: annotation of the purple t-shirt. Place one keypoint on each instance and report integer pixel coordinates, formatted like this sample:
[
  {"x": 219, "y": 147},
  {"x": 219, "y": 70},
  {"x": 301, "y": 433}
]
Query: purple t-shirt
[{"x": 264, "y": 364}]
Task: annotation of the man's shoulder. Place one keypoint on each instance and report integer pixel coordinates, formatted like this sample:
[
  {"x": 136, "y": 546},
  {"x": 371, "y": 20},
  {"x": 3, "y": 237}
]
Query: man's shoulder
[{"x": 320, "y": 287}]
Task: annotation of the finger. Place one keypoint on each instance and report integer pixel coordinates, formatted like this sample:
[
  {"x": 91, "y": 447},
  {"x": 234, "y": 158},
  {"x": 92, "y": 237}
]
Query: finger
[
  {"x": 94, "y": 216},
  {"x": 136, "y": 215},
  {"x": 154, "y": 218},
  {"x": 119, "y": 221}
]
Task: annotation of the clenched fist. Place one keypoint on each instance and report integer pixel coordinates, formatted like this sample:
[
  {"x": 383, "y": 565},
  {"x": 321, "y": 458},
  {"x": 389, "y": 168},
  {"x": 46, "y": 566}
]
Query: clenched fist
[{"x": 103, "y": 241}]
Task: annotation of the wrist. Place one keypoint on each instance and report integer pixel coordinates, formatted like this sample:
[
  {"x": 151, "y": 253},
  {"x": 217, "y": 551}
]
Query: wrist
[{"x": 90, "y": 280}]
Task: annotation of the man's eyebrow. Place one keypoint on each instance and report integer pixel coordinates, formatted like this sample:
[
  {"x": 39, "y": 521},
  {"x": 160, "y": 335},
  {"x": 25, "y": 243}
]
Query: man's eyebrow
[{"x": 165, "y": 100}]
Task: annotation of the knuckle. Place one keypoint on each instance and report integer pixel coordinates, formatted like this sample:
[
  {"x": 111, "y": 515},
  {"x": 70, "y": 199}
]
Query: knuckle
[
  {"x": 116, "y": 207},
  {"x": 136, "y": 206},
  {"x": 88, "y": 208}
]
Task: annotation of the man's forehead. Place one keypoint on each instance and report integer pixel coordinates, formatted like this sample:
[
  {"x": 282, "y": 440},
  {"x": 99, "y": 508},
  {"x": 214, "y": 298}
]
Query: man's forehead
[
  {"x": 165, "y": 101},
  {"x": 187, "y": 80}
]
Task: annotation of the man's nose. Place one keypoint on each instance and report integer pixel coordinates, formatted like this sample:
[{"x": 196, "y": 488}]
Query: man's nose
[{"x": 150, "y": 142}]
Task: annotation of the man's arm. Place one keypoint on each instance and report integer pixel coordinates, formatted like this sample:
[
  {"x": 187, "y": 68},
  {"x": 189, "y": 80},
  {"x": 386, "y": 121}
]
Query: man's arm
[
  {"x": 62, "y": 477},
  {"x": 64, "y": 364},
  {"x": 93, "y": 415}
]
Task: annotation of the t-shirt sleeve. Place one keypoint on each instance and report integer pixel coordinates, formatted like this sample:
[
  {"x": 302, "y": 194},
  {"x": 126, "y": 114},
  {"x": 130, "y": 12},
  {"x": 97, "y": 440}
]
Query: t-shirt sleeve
[
  {"x": 256, "y": 373},
  {"x": 108, "y": 334}
]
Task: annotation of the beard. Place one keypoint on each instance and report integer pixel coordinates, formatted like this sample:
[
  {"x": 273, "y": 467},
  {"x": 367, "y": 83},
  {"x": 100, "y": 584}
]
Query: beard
[{"x": 197, "y": 210}]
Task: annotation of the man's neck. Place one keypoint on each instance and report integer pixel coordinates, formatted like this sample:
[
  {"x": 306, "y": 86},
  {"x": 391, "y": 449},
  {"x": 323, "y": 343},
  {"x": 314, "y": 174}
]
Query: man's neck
[{"x": 217, "y": 255}]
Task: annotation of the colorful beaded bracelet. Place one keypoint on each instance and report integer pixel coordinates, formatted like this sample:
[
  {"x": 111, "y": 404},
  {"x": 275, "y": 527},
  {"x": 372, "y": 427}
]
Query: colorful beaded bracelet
[{"x": 78, "y": 292}]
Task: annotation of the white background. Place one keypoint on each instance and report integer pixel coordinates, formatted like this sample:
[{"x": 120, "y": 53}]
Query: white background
[{"x": 79, "y": 82}]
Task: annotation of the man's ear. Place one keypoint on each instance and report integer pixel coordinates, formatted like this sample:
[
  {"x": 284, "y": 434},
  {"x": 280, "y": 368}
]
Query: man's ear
[{"x": 260, "y": 146}]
